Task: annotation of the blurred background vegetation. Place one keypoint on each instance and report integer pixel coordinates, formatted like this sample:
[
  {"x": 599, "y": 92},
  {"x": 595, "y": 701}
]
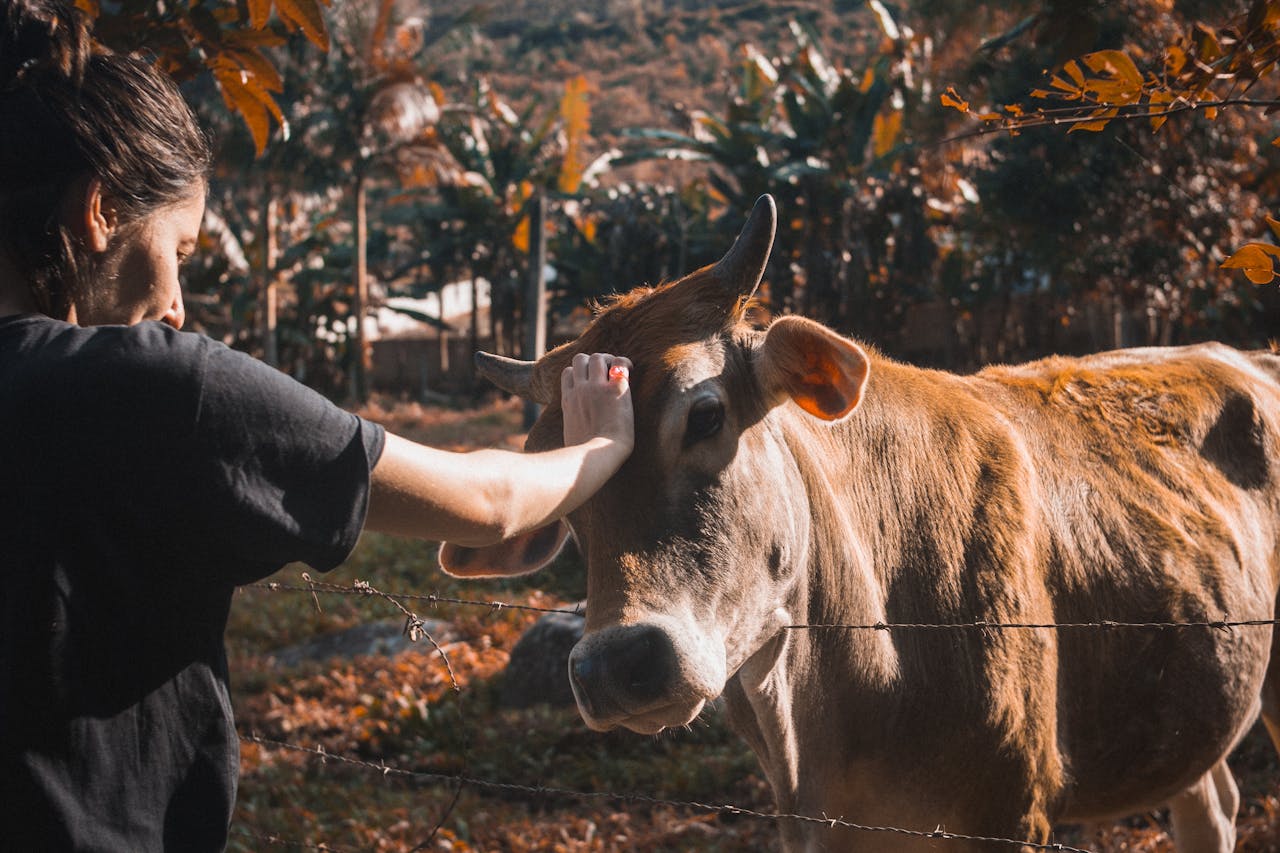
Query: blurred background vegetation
[{"x": 373, "y": 151}]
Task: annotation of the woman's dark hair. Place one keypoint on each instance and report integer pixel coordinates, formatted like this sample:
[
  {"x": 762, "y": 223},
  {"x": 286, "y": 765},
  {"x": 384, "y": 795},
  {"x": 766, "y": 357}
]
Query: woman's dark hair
[{"x": 70, "y": 110}]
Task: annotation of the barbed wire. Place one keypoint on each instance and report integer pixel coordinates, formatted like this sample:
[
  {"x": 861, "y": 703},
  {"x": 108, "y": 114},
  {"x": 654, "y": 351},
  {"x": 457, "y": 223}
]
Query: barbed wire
[
  {"x": 1223, "y": 624},
  {"x": 415, "y": 629},
  {"x": 725, "y": 809},
  {"x": 364, "y": 589}
]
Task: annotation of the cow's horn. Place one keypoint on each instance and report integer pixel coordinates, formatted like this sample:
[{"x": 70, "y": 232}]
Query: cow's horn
[
  {"x": 743, "y": 265},
  {"x": 509, "y": 374}
]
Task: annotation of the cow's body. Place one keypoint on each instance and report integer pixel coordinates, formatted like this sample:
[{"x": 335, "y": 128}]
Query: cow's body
[
  {"x": 1130, "y": 487},
  {"x": 1136, "y": 486}
]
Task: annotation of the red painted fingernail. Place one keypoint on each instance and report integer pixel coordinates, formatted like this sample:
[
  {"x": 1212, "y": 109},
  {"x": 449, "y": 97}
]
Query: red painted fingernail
[{"x": 617, "y": 373}]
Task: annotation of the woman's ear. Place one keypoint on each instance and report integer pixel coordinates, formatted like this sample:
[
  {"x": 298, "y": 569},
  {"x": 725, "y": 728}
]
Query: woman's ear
[{"x": 92, "y": 216}]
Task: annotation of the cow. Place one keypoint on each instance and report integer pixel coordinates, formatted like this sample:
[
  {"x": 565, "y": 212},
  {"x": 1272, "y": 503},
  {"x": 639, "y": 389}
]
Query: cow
[{"x": 791, "y": 477}]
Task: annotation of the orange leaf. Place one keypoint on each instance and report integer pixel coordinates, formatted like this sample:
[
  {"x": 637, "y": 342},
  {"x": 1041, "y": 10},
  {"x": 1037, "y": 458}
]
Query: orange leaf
[
  {"x": 1276, "y": 142},
  {"x": 1206, "y": 43},
  {"x": 885, "y": 131},
  {"x": 1118, "y": 63},
  {"x": 1157, "y": 102},
  {"x": 1274, "y": 225},
  {"x": 254, "y": 112},
  {"x": 1255, "y": 260},
  {"x": 245, "y": 95},
  {"x": 259, "y": 66},
  {"x": 951, "y": 98},
  {"x": 1101, "y": 119},
  {"x": 1175, "y": 59},
  {"x": 1109, "y": 91},
  {"x": 1073, "y": 71},
  {"x": 246, "y": 39},
  {"x": 520, "y": 239},
  {"x": 575, "y": 111},
  {"x": 259, "y": 13},
  {"x": 92, "y": 8},
  {"x": 305, "y": 15}
]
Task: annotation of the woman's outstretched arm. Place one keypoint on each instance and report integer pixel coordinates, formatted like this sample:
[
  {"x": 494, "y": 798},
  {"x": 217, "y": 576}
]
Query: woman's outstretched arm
[{"x": 486, "y": 496}]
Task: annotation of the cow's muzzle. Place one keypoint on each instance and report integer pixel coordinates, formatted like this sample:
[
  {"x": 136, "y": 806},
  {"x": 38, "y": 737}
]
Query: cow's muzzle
[{"x": 638, "y": 676}]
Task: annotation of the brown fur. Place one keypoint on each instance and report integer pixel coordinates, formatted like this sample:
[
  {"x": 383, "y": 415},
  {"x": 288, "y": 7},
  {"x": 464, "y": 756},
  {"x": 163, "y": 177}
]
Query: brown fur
[{"x": 1131, "y": 486}]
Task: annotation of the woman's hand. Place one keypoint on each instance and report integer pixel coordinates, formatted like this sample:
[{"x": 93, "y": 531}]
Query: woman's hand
[{"x": 595, "y": 396}]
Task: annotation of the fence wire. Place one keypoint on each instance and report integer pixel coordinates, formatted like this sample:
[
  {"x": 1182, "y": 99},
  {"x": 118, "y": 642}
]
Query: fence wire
[
  {"x": 415, "y": 629},
  {"x": 363, "y": 589},
  {"x": 384, "y": 769}
]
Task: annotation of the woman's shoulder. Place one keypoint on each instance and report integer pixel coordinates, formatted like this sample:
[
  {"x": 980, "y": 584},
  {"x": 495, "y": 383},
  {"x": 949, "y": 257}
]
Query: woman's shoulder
[{"x": 57, "y": 360}]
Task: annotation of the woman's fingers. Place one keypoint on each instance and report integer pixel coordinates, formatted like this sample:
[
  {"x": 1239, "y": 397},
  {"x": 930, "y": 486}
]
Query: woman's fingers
[{"x": 599, "y": 367}]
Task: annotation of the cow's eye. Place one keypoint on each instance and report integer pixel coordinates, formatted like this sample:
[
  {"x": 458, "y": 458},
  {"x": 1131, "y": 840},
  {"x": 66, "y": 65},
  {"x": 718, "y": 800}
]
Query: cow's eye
[{"x": 705, "y": 419}]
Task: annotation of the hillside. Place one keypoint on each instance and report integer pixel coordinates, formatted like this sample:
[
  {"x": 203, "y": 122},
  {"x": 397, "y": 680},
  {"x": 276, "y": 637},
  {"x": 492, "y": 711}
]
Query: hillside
[{"x": 649, "y": 62}]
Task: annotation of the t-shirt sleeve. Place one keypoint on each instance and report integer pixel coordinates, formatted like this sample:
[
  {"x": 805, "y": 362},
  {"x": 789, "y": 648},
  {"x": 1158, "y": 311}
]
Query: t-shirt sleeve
[
  {"x": 279, "y": 473},
  {"x": 183, "y": 457}
]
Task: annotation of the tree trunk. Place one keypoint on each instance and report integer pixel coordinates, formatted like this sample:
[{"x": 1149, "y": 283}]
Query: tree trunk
[
  {"x": 270, "y": 253},
  {"x": 475, "y": 322},
  {"x": 535, "y": 303},
  {"x": 361, "y": 363}
]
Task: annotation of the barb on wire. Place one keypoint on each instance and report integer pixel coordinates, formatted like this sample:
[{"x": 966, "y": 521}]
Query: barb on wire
[{"x": 542, "y": 790}]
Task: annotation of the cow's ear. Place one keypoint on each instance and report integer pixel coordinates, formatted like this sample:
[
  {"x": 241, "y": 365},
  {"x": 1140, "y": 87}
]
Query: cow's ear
[
  {"x": 518, "y": 556},
  {"x": 823, "y": 372}
]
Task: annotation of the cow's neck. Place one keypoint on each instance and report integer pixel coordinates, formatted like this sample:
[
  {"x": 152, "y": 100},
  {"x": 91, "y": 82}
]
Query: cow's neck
[{"x": 870, "y": 502}]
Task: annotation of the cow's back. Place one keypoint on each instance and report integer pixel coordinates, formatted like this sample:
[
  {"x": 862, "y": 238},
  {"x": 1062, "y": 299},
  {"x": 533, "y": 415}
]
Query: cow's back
[{"x": 1159, "y": 502}]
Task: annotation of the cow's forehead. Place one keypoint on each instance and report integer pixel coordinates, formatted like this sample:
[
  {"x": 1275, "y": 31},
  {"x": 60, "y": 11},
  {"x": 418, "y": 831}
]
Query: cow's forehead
[{"x": 690, "y": 365}]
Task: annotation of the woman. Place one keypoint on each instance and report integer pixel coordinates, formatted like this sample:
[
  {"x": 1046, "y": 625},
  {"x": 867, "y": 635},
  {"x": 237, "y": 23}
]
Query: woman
[{"x": 150, "y": 471}]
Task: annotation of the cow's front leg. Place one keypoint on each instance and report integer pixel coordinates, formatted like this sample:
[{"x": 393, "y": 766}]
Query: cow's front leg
[
  {"x": 1204, "y": 815},
  {"x": 758, "y": 699}
]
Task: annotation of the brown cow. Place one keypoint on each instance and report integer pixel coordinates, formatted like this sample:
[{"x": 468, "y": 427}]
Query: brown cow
[{"x": 793, "y": 477}]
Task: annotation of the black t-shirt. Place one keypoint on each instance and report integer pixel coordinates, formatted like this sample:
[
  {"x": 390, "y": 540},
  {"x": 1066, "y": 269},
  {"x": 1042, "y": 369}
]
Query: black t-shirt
[{"x": 146, "y": 472}]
